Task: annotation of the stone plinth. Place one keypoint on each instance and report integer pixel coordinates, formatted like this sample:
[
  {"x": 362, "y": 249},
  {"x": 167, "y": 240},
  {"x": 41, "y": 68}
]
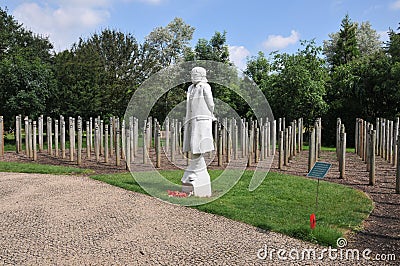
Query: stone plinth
[{"x": 196, "y": 178}]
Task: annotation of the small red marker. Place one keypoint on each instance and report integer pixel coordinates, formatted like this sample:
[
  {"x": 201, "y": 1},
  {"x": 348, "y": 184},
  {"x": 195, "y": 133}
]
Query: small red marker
[{"x": 313, "y": 221}]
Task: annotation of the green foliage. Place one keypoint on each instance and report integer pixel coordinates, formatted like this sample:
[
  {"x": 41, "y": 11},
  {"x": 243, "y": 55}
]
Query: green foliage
[
  {"x": 26, "y": 79},
  {"x": 346, "y": 47},
  {"x": 165, "y": 46},
  {"x": 293, "y": 84},
  {"x": 367, "y": 41},
  {"x": 98, "y": 76},
  {"x": 393, "y": 46}
]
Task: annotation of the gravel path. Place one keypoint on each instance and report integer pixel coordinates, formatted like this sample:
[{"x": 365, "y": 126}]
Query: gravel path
[{"x": 71, "y": 220}]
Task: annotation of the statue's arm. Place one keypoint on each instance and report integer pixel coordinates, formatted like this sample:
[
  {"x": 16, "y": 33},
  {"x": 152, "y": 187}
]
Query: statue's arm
[{"x": 208, "y": 97}]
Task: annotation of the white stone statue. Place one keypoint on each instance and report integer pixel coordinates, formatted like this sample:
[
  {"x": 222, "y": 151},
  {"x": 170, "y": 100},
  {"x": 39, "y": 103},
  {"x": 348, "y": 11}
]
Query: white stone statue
[{"x": 197, "y": 137}]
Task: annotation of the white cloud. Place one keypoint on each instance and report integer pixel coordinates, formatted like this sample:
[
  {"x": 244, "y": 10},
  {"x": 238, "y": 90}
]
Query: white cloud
[
  {"x": 276, "y": 42},
  {"x": 150, "y": 2},
  {"x": 64, "y": 22},
  {"x": 153, "y": 2},
  {"x": 395, "y": 5},
  {"x": 238, "y": 55},
  {"x": 383, "y": 36}
]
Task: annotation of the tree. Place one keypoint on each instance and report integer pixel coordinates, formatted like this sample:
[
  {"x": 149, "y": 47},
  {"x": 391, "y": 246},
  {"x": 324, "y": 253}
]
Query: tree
[
  {"x": 393, "y": 45},
  {"x": 98, "y": 76},
  {"x": 343, "y": 46},
  {"x": 215, "y": 49},
  {"x": 27, "y": 83},
  {"x": 163, "y": 47},
  {"x": 294, "y": 84},
  {"x": 368, "y": 40},
  {"x": 258, "y": 68},
  {"x": 166, "y": 45}
]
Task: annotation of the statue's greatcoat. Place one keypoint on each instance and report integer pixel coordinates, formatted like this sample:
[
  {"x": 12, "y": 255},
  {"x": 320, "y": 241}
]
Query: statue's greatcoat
[{"x": 197, "y": 136}]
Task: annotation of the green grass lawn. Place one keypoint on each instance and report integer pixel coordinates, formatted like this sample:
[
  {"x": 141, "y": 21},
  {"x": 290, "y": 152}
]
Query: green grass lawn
[
  {"x": 282, "y": 204},
  {"x": 17, "y": 167},
  {"x": 332, "y": 149}
]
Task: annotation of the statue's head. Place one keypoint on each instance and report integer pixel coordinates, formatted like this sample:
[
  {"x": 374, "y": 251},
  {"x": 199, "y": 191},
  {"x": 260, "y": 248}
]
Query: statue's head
[{"x": 198, "y": 74}]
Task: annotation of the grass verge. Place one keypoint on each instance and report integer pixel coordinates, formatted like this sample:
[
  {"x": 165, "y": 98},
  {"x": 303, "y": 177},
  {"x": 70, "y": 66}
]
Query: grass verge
[
  {"x": 282, "y": 203},
  {"x": 18, "y": 167}
]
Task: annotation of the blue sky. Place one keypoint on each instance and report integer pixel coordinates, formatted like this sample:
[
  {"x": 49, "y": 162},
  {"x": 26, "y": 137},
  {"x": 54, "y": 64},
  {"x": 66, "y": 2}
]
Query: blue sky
[{"x": 251, "y": 26}]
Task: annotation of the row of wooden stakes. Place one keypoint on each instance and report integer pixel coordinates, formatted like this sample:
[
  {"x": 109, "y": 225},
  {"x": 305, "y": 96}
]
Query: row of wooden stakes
[
  {"x": 382, "y": 140},
  {"x": 127, "y": 140}
]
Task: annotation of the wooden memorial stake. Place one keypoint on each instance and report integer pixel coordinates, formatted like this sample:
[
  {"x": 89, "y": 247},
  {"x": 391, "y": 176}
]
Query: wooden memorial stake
[
  {"x": 97, "y": 141},
  {"x": 56, "y": 150},
  {"x": 50, "y": 136},
  {"x": 26, "y": 135},
  {"x": 262, "y": 142},
  {"x": 101, "y": 137},
  {"x": 294, "y": 138},
  {"x": 338, "y": 127},
  {"x": 290, "y": 141},
  {"x": 273, "y": 137},
  {"x": 40, "y": 129},
  {"x": 356, "y": 139},
  {"x": 395, "y": 138},
  {"x": 316, "y": 147},
  {"x": 377, "y": 128},
  {"x": 368, "y": 161},
  {"x": 286, "y": 147},
  {"x": 145, "y": 143},
  {"x": 166, "y": 128},
  {"x": 372, "y": 157},
  {"x": 79, "y": 153},
  {"x": 398, "y": 166},
  {"x": 135, "y": 136},
  {"x": 173, "y": 142},
  {"x": 390, "y": 142},
  {"x": 17, "y": 130},
  {"x": 256, "y": 144},
  {"x": 268, "y": 152},
  {"x": 118, "y": 147},
  {"x": 30, "y": 135},
  {"x": 236, "y": 143},
  {"x": 387, "y": 140},
  {"x": 88, "y": 149},
  {"x": 34, "y": 141},
  {"x": 128, "y": 149},
  {"x": 71, "y": 140},
  {"x": 112, "y": 126},
  {"x": 63, "y": 139},
  {"x": 158, "y": 146},
  {"x": 123, "y": 139},
  {"x": 1, "y": 136},
  {"x": 343, "y": 152},
  {"x": 311, "y": 150},
  {"x": 243, "y": 137},
  {"x": 281, "y": 150},
  {"x": 106, "y": 147},
  {"x": 219, "y": 150},
  {"x": 132, "y": 139}
]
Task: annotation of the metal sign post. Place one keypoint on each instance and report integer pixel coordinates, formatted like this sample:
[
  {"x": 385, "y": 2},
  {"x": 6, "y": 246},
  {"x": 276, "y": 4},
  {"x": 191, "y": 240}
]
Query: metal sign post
[{"x": 319, "y": 171}]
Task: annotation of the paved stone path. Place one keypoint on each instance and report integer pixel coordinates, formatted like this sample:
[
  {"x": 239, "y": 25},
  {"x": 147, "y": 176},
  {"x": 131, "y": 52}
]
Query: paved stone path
[{"x": 71, "y": 220}]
